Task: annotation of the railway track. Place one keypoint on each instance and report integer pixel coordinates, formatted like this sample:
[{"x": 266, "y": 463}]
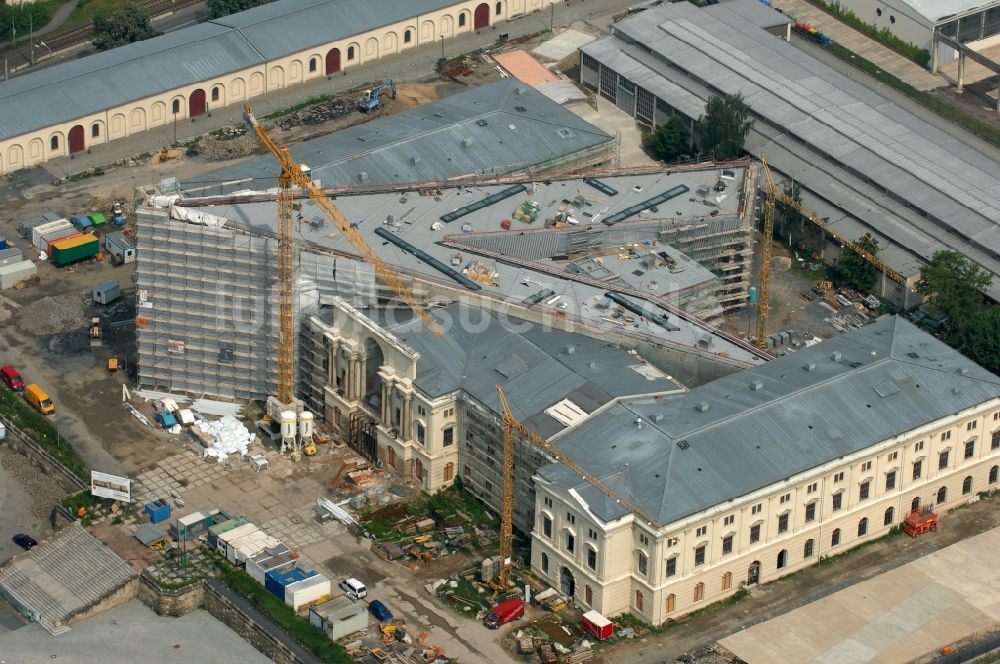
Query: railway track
[{"x": 20, "y": 57}]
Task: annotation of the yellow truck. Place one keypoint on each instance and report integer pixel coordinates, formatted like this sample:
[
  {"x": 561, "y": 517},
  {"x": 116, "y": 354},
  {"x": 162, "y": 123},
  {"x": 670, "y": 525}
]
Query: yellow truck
[{"x": 37, "y": 397}]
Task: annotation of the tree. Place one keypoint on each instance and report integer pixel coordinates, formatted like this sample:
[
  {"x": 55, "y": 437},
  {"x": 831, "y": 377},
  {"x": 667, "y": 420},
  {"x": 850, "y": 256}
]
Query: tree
[
  {"x": 724, "y": 127},
  {"x": 670, "y": 141},
  {"x": 128, "y": 24},
  {"x": 855, "y": 270},
  {"x": 23, "y": 18},
  {"x": 220, "y": 8},
  {"x": 980, "y": 340},
  {"x": 953, "y": 286}
]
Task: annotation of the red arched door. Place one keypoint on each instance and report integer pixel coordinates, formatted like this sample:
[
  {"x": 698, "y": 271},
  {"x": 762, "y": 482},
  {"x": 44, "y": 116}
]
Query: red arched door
[
  {"x": 196, "y": 104},
  {"x": 482, "y": 17},
  {"x": 332, "y": 61},
  {"x": 76, "y": 139}
]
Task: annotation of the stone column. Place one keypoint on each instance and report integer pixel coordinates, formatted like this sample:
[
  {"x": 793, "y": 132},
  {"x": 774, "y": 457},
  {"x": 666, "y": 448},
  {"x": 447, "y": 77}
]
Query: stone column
[
  {"x": 386, "y": 409},
  {"x": 405, "y": 425},
  {"x": 362, "y": 370},
  {"x": 961, "y": 72},
  {"x": 935, "y": 46},
  {"x": 331, "y": 366},
  {"x": 351, "y": 389}
]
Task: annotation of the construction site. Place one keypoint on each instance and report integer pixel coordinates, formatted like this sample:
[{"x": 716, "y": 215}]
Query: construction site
[{"x": 402, "y": 366}]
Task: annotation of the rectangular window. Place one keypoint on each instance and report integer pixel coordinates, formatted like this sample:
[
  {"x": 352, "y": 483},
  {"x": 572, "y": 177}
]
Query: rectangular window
[
  {"x": 421, "y": 433},
  {"x": 943, "y": 460},
  {"x": 643, "y": 539},
  {"x": 728, "y": 521},
  {"x": 970, "y": 449},
  {"x": 727, "y": 544},
  {"x": 785, "y": 498},
  {"x": 995, "y": 441},
  {"x": 838, "y": 500},
  {"x": 547, "y": 501},
  {"x": 892, "y": 456},
  {"x": 591, "y": 533},
  {"x": 838, "y": 477},
  {"x": 449, "y": 436},
  {"x": 945, "y": 436},
  {"x": 592, "y": 558},
  {"x": 810, "y": 511},
  {"x": 570, "y": 542},
  {"x": 671, "y": 566},
  {"x": 971, "y": 426},
  {"x": 570, "y": 517},
  {"x": 755, "y": 533},
  {"x": 547, "y": 526},
  {"x": 918, "y": 466},
  {"x": 701, "y": 531},
  {"x": 420, "y": 410},
  {"x": 783, "y": 523},
  {"x": 699, "y": 555},
  {"x": 890, "y": 480},
  {"x": 643, "y": 564},
  {"x": 812, "y": 487},
  {"x": 756, "y": 508},
  {"x": 864, "y": 490},
  {"x": 866, "y": 466},
  {"x": 919, "y": 446}
]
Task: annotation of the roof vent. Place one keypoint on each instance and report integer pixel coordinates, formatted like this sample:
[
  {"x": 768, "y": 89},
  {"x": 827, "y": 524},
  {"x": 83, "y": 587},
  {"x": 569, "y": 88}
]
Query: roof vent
[
  {"x": 363, "y": 177},
  {"x": 520, "y": 109},
  {"x": 757, "y": 385},
  {"x": 638, "y": 423},
  {"x": 955, "y": 390},
  {"x": 913, "y": 356},
  {"x": 836, "y": 356},
  {"x": 482, "y": 123},
  {"x": 963, "y": 370},
  {"x": 468, "y": 143},
  {"x": 810, "y": 366},
  {"x": 569, "y": 350},
  {"x": 414, "y": 161},
  {"x": 702, "y": 406},
  {"x": 658, "y": 417},
  {"x": 520, "y": 90},
  {"x": 683, "y": 444},
  {"x": 592, "y": 365}
]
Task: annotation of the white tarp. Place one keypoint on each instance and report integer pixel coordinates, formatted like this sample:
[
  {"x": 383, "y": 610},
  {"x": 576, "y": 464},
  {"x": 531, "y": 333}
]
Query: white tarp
[
  {"x": 229, "y": 436},
  {"x": 163, "y": 201},
  {"x": 196, "y": 217}
]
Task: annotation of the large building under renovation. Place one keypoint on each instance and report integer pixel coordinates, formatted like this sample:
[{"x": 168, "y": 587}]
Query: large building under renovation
[{"x": 864, "y": 163}]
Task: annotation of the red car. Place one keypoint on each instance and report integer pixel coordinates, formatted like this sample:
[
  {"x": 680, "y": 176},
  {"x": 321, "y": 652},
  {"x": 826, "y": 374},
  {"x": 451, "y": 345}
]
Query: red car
[{"x": 11, "y": 377}]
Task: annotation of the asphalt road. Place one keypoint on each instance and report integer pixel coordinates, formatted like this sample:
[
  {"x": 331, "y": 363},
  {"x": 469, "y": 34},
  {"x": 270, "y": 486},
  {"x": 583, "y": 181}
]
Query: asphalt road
[{"x": 16, "y": 515}]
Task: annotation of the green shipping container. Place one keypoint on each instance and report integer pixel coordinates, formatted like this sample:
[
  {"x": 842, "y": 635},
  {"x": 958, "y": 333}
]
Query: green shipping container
[{"x": 74, "y": 249}]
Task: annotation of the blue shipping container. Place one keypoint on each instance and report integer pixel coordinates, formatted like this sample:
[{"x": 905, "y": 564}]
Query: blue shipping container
[
  {"x": 276, "y": 580},
  {"x": 158, "y": 511}
]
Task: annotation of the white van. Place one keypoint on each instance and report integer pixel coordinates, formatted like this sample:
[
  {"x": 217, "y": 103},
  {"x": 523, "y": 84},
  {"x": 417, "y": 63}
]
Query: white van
[{"x": 354, "y": 588}]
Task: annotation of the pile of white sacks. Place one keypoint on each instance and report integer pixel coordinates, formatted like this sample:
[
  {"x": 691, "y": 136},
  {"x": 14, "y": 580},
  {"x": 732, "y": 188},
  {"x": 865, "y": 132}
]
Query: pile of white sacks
[{"x": 229, "y": 436}]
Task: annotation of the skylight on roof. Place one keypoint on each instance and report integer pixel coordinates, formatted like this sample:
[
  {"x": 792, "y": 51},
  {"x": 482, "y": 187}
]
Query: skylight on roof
[{"x": 566, "y": 413}]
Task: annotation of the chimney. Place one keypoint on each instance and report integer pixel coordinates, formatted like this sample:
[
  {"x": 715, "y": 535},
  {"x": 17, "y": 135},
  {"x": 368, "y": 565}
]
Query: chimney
[
  {"x": 811, "y": 366},
  {"x": 702, "y": 406},
  {"x": 757, "y": 385},
  {"x": 836, "y": 356}
]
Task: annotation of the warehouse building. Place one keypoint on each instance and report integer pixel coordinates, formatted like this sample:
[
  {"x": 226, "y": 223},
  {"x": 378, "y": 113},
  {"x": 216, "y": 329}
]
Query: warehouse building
[
  {"x": 864, "y": 163},
  {"x": 761, "y": 473},
  {"x": 183, "y": 75},
  {"x": 484, "y": 132}
]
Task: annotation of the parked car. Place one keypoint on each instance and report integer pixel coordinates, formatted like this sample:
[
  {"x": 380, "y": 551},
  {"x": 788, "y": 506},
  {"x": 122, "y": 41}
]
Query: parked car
[
  {"x": 354, "y": 588},
  {"x": 26, "y": 542},
  {"x": 379, "y": 610},
  {"x": 37, "y": 397},
  {"x": 11, "y": 378}
]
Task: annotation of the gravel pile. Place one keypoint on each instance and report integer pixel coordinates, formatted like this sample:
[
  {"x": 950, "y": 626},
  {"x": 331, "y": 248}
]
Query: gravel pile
[
  {"x": 45, "y": 492},
  {"x": 214, "y": 148},
  {"x": 52, "y": 315}
]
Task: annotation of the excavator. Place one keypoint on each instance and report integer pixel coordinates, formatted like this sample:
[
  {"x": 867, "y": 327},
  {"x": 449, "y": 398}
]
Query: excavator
[{"x": 372, "y": 99}]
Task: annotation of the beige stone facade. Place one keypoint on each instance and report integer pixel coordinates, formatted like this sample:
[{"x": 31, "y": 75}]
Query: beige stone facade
[
  {"x": 660, "y": 575},
  {"x": 189, "y": 102}
]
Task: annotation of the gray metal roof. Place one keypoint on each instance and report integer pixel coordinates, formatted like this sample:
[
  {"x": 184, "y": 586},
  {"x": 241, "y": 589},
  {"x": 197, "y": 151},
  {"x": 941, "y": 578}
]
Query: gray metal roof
[
  {"x": 890, "y": 378},
  {"x": 78, "y": 88},
  {"x": 536, "y": 366},
  {"x": 873, "y": 144},
  {"x": 937, "y": 10},
  {"x": 491, "y": 129}
]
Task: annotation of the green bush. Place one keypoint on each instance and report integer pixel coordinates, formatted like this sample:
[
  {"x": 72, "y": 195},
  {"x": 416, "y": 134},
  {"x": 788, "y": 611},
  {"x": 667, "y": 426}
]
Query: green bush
[
  {"x": 17, "y": 411},
  {"x": 884, "y": 36},
  {"x": 308, "y": 635},
  {"x": 940, "y": 106}
]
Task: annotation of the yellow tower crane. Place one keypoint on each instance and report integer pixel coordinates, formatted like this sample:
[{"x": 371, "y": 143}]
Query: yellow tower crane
[
  {"x": 512, "y": 427},
  {"x": 773, "y": 195},
  {"x": 294, "y": 176}
]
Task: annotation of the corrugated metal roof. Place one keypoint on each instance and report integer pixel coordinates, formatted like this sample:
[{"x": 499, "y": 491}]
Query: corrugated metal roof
[
  {"x": 494, "y": 128},
  {"x": 78, "y": 88},
  {"x": 890, "y": 378},
  {"x": 936, "y": 10}
]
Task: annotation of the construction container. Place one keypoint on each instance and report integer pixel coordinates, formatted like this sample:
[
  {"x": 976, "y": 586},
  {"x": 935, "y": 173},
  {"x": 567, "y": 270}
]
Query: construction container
[
  {"x": 48, "y": 231},
  {"x": 223, "y": 526},
  {"x": 276, "y": 580},
  {"x": 11, "y": 255},
  {"x": 222, "y": 545},
  {"x": 107, "y": 292},
  {"x": 12, "y": 273},
  {"x": 300, "y": 593},
  {"x": 158, "y": 510},
  {"x": 97, "y": 219},
  {"x": 240, "y": 550},
  {"x": 191, "y": 526},
  {"x": 339, "y": 617},
  {"x": 599, "y": 626},
  {"x": 82, "y": 223},
  {"x": 73, "y": 249},
  {"x": 122, "y": 251},
  {"x": 25, "y": 227},
  {"x": 275, "y": 557}
]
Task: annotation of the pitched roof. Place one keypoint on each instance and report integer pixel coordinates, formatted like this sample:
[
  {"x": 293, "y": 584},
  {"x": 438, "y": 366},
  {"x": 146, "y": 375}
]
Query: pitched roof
[{"x": 744, "y": 432}]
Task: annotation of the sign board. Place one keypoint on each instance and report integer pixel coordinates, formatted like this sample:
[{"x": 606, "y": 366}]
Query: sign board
[{"x": 114, "y": 487}]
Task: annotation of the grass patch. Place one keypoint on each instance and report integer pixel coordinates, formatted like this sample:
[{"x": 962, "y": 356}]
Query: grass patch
[
  {"x": 17, "y": 411},
  {"x": 940, "y": 106},
  {"x": 447, "y": 506},
  {"x": 882, "y": 35},
  {"x": 86, "y": 10},
  {"x": 826, "y": 560},
  {"x": 305, "y": 633}
]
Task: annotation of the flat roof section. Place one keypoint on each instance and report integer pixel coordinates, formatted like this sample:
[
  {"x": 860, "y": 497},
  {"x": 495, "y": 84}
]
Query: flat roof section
[{"x": 524, "y": 67}]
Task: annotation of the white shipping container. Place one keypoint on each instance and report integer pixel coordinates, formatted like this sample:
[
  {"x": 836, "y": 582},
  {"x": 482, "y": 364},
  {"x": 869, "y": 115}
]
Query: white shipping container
[
  {"x": 38, "y": 231},
  {"x": 306, "y": 591},
  {"x": 11, "y": 255},
  {"x": 251, "y": 545},
  {"x": 236, "y": 533},
  {"x": 15, "y": 272}
]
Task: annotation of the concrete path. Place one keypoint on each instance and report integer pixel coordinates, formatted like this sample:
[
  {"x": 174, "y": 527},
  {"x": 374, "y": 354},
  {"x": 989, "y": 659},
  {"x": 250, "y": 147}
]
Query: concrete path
[
  {"x": 61, "y": 16},
  {"x": 883, "y": 56},
  {"x": 900, "y": 616}
]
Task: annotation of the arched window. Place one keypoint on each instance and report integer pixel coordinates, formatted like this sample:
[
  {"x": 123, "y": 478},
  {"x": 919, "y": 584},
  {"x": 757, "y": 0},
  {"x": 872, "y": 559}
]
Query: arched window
[
  {"x": 863, "y": 527},
  {"x": 993, "y": 474},
  {"x": 499, "y": 9},
  {"x": 176, "y": 106},
  {"x": 588, "y": 595},
  {"x": 461, "y": 20},
  {"x": 407, "y": 36},
  {"x": 967, "y": 485},
  {"x": 215, "y": 93},
  {"x": 835, "y": 537},
  {"x": 95, "y": 130},
  {"x": 350, "y": 52},
  {"x": 545, "y": 562},
  {"x": 890, "y": 516},
  {"x": 782, "y": 559},
  {"x": 313, "y": 64},
  {"x": 54, "y": 143},
  {"x": 727, "y": 580},
  {"x": 942, "y": 494},
  {"x": 807, "y": 548},
  {"x": 449, "y": 472},
  {"x": 671, "y": 601},
  {"x": 418, "y": 469},
  {"x": 699, "y": 592},
  {"x": 638, "y": 600}
]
